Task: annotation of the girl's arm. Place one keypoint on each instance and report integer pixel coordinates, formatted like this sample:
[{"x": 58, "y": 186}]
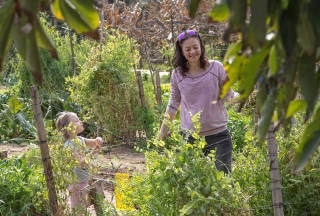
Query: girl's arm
[{"x": 97, "y": 142}]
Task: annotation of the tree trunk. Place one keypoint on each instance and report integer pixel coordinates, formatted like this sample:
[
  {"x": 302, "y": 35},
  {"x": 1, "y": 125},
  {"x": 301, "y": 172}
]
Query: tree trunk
[
  {"x": 274, "y": 172},
  {"x": 44, "y": 150}
]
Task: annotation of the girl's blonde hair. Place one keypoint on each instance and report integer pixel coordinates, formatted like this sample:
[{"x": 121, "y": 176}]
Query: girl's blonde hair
[{"x": 63, "y": 122}]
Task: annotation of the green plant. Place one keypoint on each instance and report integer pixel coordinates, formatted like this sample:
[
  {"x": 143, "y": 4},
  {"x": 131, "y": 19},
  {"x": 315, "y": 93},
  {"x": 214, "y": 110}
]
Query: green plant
[
  {"x": 300, "y": 191},
  {"x": 238, "y": 125},
  {"x": 110, "y": 88},
  {"x": 16, "y": 124},
  {"x": 182, "y": 181},
  {"x": 250, "y": 168},
  {"x": 23, "y": 189}
]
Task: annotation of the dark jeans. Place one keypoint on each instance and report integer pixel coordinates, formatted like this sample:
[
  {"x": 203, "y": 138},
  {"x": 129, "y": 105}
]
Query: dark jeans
[{"x": 222, "y": 144}]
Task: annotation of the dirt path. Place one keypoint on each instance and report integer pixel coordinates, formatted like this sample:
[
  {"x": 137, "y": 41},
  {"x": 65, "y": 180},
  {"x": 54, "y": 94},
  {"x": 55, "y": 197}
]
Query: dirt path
[{"x": 14, "y": 150}]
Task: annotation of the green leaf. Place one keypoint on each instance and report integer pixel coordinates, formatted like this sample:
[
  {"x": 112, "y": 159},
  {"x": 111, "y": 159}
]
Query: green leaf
[
  {"x": 233, "y": 74},
  {"x": 88, "y": 12},
  {"x": 273, "y": 61},
  {"x": 257, "y": 26},
  {"x": 238, "y": 13},
  {"x": 306, "y": 148},
  {"x": 287, "y": 27},
  {"x": 83, "y": 21},
  {"x": 220, "y": 12},
  {"x": 305, "y": 30},
  {"x": 309, "y": 141},
  {"x": 43, "y": 41},
  {"x": 189, "y": 207},
  {"x": 314, "y": 17},
  {"x": 232, "y": 62},
  {"x": 14, "y": 105},
  {"x": 261, "y": 95},
  {"x": 33, "y": 57},
  {"x": 295, "y": 106},
  {"x": 193, "y": 8},
  {"x": 288, "y": 88},
  {"x": 56, "y": 11},
  {"x": 6, "y": 14},
  {"x": 266, "y": 117},
  {"x": 20, "y": 40},
  {"x": 30, "y": 6},
  {"x": 307, "y": 81},
  {"x": 251, "y": 70},
  {"x": 232, "y": 52}
]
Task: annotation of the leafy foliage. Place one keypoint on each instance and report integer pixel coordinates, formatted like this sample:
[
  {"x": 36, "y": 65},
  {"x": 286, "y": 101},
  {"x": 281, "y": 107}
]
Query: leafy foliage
[
  {"x": 106, "y": 88},
  {"x": 20, "y": 24},
  {"x": 16, "y": 123},
  {"x": 238, "y": 125},
  {"x": 23, "y": 190},
  {"x": 182, "y": 181}
]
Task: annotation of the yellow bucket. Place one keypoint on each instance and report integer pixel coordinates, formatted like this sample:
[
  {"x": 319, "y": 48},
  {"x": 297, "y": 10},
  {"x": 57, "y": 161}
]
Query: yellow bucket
[{"x": 122, "y": 181}]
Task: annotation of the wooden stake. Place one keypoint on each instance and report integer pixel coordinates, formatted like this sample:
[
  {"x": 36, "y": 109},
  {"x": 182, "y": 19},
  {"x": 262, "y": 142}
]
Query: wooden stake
[
  {"x": 140, "y": 88},
  {"x": 274, "y": 172},
  {"x": 46, "y": 161},
  {"x": 159, "y": 98}
]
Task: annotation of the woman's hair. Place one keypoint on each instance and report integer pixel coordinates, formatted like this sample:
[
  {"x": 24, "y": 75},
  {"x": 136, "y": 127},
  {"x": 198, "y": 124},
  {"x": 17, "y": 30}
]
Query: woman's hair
[
  {"x": 180, "y": 62},
  {"x": 63, "y": 122}
]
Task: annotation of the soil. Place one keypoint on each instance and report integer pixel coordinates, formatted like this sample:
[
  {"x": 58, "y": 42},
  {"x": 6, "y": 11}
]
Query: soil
[{"x": 122, "y": 159}]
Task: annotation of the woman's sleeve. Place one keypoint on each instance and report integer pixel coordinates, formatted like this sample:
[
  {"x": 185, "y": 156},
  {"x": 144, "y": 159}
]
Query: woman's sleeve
[{"x": 175, "y": 96}]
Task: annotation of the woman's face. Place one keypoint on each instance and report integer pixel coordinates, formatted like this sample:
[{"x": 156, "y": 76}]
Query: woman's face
[
  {"x": 74, "y": 119},
  {"x": 191, "y": 49}
]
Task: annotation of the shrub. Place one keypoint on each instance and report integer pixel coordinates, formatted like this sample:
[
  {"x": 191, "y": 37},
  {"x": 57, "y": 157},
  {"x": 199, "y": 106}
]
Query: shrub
[
  {"x": 106, "y": 88},
  {"x": 182, "y": 181},
  {"x": 23, "y": 189}
]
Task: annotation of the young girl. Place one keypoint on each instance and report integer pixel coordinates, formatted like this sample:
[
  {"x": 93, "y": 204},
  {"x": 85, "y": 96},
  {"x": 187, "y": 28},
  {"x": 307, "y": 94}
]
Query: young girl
[
  {"x": 196, "y": 84},
  {"x": 70, "y": 126}
]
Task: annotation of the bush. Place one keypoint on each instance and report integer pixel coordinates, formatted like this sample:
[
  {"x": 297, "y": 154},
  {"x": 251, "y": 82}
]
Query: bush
[
  {"x": 182, "y": 181},
  {"x": 16, "y": 119},
  {"x": 238, "y": 125},
  {"x": 106, "y": 88},
  {"x": 23, "y": 188}
]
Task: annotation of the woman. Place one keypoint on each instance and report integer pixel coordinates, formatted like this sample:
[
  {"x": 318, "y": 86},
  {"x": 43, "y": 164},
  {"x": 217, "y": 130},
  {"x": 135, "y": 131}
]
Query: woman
[{"x": 196, "y": 84}]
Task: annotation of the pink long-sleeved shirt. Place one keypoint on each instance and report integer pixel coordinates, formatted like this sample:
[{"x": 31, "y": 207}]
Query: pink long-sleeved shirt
[{"x": 200, "y": 93}]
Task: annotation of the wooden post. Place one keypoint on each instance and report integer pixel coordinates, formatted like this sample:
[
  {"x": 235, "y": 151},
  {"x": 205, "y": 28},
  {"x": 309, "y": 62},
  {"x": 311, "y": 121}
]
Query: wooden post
[
  {"x": 158, "y": 84},
  {"x": 140, "y": 88},
  {"x": 73, "y": 61},
  {"x": 274, "y": 172},
  {"x": 44, "y": 150},
  {"x": 55, "y": 24}
]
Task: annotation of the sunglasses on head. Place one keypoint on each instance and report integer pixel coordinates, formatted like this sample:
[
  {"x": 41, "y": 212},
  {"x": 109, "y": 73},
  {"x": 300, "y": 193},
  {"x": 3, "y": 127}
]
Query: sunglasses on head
[{"x": 184, "y": 34}]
